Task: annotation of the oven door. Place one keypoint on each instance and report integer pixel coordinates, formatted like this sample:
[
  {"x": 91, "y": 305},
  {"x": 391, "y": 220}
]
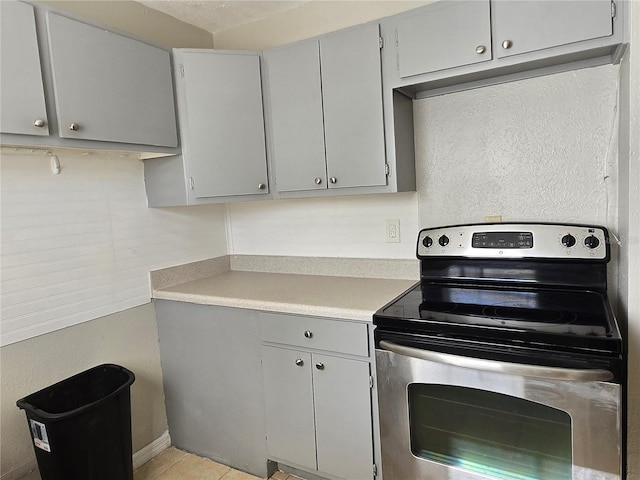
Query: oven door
[{"x": 449, "y": 417}]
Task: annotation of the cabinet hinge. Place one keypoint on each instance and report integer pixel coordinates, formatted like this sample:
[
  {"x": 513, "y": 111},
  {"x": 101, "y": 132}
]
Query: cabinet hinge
[
  {"x": 192, "y": 184},
  {"x": 386, "y": 169},
  {"x": 381, "y": 42},
  {"x": 614, "y": 9},
  {"x": 370, "y": 381},
  {"x": 182, "y": 70},
  {"x": 375, "y": 470}
]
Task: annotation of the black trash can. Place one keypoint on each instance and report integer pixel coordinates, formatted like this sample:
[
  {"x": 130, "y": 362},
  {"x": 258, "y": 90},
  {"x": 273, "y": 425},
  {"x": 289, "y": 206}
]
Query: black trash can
[{"x": 81, "y": 426}]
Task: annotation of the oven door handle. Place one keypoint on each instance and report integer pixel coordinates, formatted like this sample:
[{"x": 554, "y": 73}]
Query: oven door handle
[{"x": 519, "y": 369}]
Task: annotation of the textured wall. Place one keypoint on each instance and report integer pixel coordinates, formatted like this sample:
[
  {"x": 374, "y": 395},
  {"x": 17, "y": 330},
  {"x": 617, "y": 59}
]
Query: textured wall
[
  {"x": 538, "y": 149},
  {"x": 129, "y": 339}
]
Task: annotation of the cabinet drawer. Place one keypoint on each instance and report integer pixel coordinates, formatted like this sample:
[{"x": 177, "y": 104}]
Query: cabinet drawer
[{"x": 318, "y": 333}]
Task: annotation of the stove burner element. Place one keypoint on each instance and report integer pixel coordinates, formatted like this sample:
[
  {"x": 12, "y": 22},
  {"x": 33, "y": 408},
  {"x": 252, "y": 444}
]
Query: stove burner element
[{"x": 515, "y": 311}]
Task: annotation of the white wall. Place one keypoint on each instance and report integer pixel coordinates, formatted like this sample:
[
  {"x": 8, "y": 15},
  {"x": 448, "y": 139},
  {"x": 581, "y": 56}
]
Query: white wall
[
  {"x": 324, "y": 227},
  {"x": 80, "y": 245}
]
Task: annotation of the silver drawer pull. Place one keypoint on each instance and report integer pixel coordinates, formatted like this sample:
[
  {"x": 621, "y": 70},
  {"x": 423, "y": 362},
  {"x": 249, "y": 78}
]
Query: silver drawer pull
[
  {"x": 39, "y": 123},
  {"x": 299, "y": 362},
  {"x": 519, "y": 369},
  {"x": 480, "y": 49},
  {"x": 320, "y": 366},
  {"x": 74, "y": 127},
  {"x": 308, "y": 334}
]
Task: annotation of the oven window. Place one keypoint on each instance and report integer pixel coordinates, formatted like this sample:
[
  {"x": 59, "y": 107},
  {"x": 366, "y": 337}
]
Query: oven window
[{"x": 497, "y": 435}]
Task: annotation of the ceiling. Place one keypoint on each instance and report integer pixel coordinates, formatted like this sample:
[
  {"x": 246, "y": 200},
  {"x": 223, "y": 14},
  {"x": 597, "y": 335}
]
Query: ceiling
[{"x": 218, "y": 15}]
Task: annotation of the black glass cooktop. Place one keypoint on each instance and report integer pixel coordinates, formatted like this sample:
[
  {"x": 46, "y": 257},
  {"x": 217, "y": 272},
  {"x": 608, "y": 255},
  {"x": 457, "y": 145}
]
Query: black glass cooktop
[{"x": 553, "y": 318}]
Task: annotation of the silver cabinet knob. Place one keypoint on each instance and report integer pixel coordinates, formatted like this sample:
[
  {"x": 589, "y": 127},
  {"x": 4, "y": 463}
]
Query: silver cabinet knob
[
  {"x": 308, "y": 334},
  {"x": 333, "y": 179},
  {"x": 480, "y": 49},
  {"x": 39, "y": 122},
  {"x": 320, "y": 366},
  {"x": 318, "y": 180},
  {"x": 261, "y": 186},
  {"x": 299, "y": 362},
  {"x": 507, "y": 44},
  {"x": 74, "y": 127}
]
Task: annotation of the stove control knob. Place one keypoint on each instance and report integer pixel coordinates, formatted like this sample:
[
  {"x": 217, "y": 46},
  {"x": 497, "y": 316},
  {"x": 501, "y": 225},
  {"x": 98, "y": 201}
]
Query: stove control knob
[
  {"x": 427, "y": 241},
  {"x": 443, "y": 241},
  {"x": 591, "y": 242},
  {"x": 568, "y": 240}
]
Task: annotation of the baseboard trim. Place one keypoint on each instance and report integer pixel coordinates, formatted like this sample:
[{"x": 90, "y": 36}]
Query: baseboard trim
[
  {"x": 19, "y": 471},
  {"x": 145, "y": 454}
]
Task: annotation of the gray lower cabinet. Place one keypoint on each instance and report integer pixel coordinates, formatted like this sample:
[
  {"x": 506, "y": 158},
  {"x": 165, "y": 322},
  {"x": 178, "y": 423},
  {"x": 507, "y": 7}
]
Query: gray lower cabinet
[
  {"x": 213, "y": 382},
  {"x": 325, "y": 111},
  {"x": 109, "y": 87},
  {"x": 23, "y": 106},
  {"x": 318, "y": 398}
]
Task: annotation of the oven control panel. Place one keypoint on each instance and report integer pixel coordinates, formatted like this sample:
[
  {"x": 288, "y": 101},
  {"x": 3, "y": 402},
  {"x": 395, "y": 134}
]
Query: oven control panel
[{"x": 515, "y": 240}]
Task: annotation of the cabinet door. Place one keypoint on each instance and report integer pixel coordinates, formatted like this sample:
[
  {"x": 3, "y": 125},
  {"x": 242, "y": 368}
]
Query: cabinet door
[
  {"x": 212, "y": 382},
  {"x": 109, "y": 87},
  {"x": 343, "y": 417},
  {"x": 222, "y": 124},
  {"x": 20, "y": 75},
  {"x": 289, "y": 405},
  {"x": 534, "y": 25},
  {"x": 446, "y": 35},
  {"x": 352, "y": 99},
  {"x": 295, "y": 106}
]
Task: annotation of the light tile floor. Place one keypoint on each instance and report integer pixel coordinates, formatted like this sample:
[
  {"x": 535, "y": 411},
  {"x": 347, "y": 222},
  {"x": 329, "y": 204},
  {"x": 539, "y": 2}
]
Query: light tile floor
[{"x": 174, "y": 464}]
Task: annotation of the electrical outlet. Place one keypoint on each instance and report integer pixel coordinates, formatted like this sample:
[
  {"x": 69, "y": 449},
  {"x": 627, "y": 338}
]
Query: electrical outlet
[{"x": 393, "y": 230}]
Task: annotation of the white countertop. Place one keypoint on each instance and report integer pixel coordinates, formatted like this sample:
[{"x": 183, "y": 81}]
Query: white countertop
[{"x": 316, "y": 295}]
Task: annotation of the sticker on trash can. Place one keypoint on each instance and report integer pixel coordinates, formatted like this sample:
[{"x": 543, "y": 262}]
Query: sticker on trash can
[{"x": 40, "y": 437}]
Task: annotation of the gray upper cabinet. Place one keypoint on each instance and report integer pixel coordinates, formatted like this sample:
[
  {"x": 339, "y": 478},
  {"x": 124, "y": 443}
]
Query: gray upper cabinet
[
  {"x": 527, "y": 26},
  {"x": 109, "y": 87},
  {"x": 352, "y": 95},
  {"x": 297, "y": 129},
  {"x": 325, "y": 110},
  {"x": 23, "y": 105},
  {"x": 455, "y": 45},
  {"x": 221, "y": 123},
  {"x": 448, "y": 35}
]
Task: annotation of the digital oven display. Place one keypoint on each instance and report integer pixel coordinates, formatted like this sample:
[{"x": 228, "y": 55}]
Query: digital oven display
[{"x": 502, "y": 240}]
